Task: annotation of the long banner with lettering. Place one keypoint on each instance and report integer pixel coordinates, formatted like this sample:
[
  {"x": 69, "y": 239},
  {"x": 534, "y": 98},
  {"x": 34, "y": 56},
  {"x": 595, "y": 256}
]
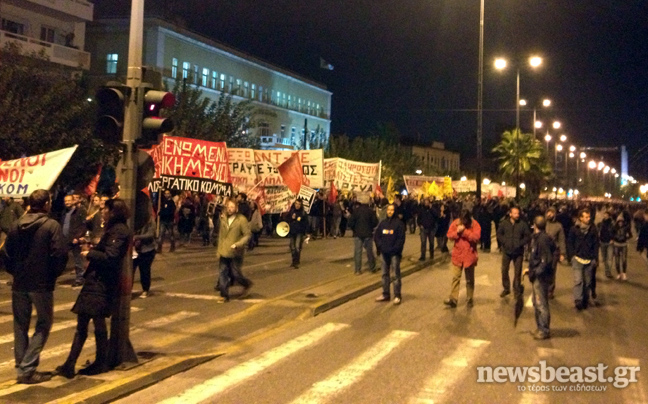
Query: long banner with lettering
[
  {"x": 350, "y": 175},
  {"x": 21, "y": 177},
  {"x": 185, "y": 164},
  {"x": 414, "y": 183}
]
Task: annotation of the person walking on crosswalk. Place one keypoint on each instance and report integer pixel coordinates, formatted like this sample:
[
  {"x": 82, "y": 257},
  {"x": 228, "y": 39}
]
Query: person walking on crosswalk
[
  {"x": 390, "y": 240},
  {"x": 233, "y": 237},
  {"x": 466, "y": 233},
  {"x": 541, "y": 275}
]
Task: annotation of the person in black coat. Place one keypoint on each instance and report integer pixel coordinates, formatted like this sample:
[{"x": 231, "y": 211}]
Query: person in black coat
[
  {"x": 390, "y": 240},
  {"x": 99, "y": 289},
  {"x": 298, "y": 221},
  {"x": 442, "y": 229},
  {"x": 363, "y": 221},
  {"x": 428, "y": 222},
  {"x": 541, "y": 274},
  {"x": 512, "y": 236},
  {"x": 583, "y": 246},
  {"x": 642, "y": 239},
  {"x": 35, "y": 255},
  {"x": 73, "y": 225}
]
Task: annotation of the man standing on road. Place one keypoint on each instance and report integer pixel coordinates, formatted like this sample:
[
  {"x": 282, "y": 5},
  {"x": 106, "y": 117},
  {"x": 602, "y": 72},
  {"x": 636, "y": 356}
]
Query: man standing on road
[
  {"x": 513, "y": 234},
  {"x": 35, "y": 254},
  {"x": 390, "y": 240},
  {"x": 11, "y": 212},
  {"x": 167, "y": 218},
  {"x": 466, "y": 233},
  {"x": 363, "y": 221},
  {"x": 233, "y": 236},
  {"x": 428, "y": 221},
  {"x": 74, "y": 227},
  {"x": 606, "y": 231},
  {"x": 541, "y": 261},
  {"x": 555, "y": 231},
  {"x": 583, "y": 247},
  {"x": 298, "y": 221}
]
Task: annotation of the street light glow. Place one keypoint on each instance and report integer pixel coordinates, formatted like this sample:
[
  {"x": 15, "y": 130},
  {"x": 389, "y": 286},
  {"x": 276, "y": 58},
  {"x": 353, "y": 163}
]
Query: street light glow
[
  {"x": 463, "y": 178},
  {"x": 606, "y": 170},
  {"x": 592, "y": 164},
  {"x": 522, "y": 185},
  {"x": 548, "y": 138},
  {"x": 500, "y": 64},
  {"x": 546, "y": 102},
  {"x": 538, "y": 124},
  {"x": 559, "y": 147},
  {"x": 601, "y": 165},
  {"x": 563, "y": 138},
  {"x": 419, "y": 172},
  {"x": 613, "y": 171},
  {"x": 535, "y": 61},
  {"x": 486, "y": 181},
  {"x": 556, "y": 125},
  {"x": 572, "y": 148},
  {"x": 571, "y": 155},
  {"x": 583, "y": 155},
  {"x": 523, "y": 103}
]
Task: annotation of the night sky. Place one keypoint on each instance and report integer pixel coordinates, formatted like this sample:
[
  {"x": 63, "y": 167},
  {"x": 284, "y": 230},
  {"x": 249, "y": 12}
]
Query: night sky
[{"x": 415, "y": 62}]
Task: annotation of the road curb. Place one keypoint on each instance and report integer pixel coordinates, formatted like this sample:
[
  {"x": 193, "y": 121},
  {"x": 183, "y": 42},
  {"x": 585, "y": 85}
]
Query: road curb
[{"x": 340, "y": 299}]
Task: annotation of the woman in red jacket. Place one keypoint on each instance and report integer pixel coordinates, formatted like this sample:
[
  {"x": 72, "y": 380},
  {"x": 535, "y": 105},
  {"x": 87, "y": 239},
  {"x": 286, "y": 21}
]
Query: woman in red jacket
[{"x": 466, "y": 233}]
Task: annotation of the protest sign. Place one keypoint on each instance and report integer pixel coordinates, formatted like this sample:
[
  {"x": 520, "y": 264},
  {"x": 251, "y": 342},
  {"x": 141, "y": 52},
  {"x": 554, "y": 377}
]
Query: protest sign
[
  {"x": 352, "y": 175},
  {"x": 21, "y": 177},
  {"x": 414, "y": 183},
  {"x": 307, "y": 196}
]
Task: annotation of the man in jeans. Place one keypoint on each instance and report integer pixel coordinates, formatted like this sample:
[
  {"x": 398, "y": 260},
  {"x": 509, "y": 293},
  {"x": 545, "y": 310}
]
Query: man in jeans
[
  {"x": 513, "y": 234},
  {"x": 606, "y": 231},
  {"x": 427, "y": 219},
  {"x": 363, "y": 220},
  {"x": 167, "y": 217},
  {"x": 35, "y": 254},
  {"x": 73, "y": 224},
  {"x": 541, "y": 261},
  {"x": 583, "y": 246},
  {"x": 390, "y": 240}
]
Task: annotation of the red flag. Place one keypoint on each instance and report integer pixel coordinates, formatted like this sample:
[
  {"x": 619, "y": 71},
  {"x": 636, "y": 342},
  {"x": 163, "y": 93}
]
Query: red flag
[
  {"x": 379, "y": 191},
  {"x": 291, "y": 172},
  {"x": 91, "y": 188},
  {"x": 333, "y": 194}
]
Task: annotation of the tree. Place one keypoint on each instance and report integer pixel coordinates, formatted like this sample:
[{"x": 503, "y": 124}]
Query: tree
[
  {"x": 222, "y": 120},
  {"x": 381, "y": 145},
  {"x": 44, "y": 108},
  {"x": 533, "y": 163}
]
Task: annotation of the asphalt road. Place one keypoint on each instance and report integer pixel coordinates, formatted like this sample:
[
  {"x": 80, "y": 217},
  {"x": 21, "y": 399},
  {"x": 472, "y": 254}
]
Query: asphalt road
[
  {"x": 423, "y": 352},
  {"x": 267, "y": 348}
]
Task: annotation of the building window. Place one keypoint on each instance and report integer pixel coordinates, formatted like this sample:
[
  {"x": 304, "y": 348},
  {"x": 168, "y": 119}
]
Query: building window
[
  {"x": 195, "y": 74},
  {"x": 299, "y": 105},
  {"x": 222, "y": 81},
  {"x": 283, "y": 130},
  {"x": 264, "y": 129},
  {"x": 253, "y": 92},
  {"x": 174, "y": 68},
  {"x": 238, "y": 87},
  {"x": 47, "y": 34},
  {"x": 111, "y": 63},
  {"x": 205, "y": 77},
  {"x": 246, "y": 87},
  {"x": 290, "y": 102},
  {"x": 214, "y": 80},
  {"x": 266, "y": 94},
  {"x": 231, "y": 84},
  {"x": 185, "y": 70},
  {"x": 13, "y": 27}
]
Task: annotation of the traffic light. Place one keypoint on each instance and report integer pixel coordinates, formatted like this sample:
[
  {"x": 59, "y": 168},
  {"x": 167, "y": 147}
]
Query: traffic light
[
  {"x": 110, "y": 112},
  {"x": 153, "y": 126}
]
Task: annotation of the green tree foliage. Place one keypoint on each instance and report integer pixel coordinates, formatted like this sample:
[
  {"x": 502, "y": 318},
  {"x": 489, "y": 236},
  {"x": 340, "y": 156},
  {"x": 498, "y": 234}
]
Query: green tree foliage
[
  {"x": 222, "y": 120},
  {"x": 380, "y": 145},
  {"x": 44, "y": 108},
  {"x": 534, "y": 165}
]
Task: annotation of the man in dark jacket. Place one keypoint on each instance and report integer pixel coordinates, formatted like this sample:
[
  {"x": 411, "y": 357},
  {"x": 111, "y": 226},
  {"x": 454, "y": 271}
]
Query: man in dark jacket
[
  {"x": 428, "y": 221},
  {"x": 35, "y": 254},
  {"x": 11, "y": 212},
  {"x": 555, "y": 231},
  {"x": 390, "y": 239},
  {"x": 605, "y": 231},
  {"x": 73, "y": 225},
  {"x": 298, "y": 221},
  {"x": 363, "y": 221},
  {"x": 540, "y": 274},
  {"x": 513, "y": 234},
  {"x": 167, "y": 217},
  {"x": 583, "y": 246}
]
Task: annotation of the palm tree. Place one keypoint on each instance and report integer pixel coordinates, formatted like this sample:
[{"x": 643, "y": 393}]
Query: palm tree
[{"x": 523, "y": 150}]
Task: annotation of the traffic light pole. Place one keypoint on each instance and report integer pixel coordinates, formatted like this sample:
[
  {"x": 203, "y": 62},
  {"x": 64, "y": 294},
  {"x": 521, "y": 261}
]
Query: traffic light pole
[{"x": 121, "y": 349}]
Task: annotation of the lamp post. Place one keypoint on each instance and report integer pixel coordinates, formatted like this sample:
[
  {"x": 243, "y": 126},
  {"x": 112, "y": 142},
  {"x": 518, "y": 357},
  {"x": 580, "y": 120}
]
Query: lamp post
[
  {"x": 537, "y": 124},
  {"x": 480, "y": 97},
  {"x": 500, "y": 64}
]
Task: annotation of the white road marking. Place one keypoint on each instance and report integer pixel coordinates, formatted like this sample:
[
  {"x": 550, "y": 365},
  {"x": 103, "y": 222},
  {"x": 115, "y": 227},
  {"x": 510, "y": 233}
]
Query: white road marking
[
  {"x": 545, "y": 353},
  {"x": 325, "y": 390},
  {"x": 207, "y": 297},
  {"x": 634, "y": 392},
  {"x": 450, "y": 371},
  {"x": 529, "y": 302},
  {"x": 248, "y": 369}
]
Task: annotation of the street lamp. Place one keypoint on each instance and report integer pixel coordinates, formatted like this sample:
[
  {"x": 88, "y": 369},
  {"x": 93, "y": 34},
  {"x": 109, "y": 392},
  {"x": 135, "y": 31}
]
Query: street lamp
[
  {"x": 547, "y": 139},
  {"x": 534, "y": 61},
  {"x": 557, "y": 125},
  {"x": 546, "y": 103},
  {"x": 480, "y": 96},
  {"x": 563, "y": 138}
]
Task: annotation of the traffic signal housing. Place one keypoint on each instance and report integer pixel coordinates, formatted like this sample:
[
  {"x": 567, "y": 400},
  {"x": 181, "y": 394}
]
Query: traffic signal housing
[
  {"x": 153, "y": 125},
  {"x": 110, "y": 112}
]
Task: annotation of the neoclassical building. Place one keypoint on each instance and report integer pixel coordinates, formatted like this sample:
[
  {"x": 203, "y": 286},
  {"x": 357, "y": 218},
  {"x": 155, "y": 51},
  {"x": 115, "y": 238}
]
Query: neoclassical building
[{"x": 301, "y": 106}]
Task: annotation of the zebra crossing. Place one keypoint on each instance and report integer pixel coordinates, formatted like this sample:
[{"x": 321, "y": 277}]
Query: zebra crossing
[{"x": 455, "y": 368}]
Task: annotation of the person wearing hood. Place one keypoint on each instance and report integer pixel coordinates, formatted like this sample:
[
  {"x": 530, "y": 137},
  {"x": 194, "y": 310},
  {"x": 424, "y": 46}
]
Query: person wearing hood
[
  {"x": 298, "y": 221},
  {"x": 390, "y": 240},
  {"x": 620, "y": 236},
  {"x": 35, "y": 254},
  {"x": 583, "y": 247}
]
